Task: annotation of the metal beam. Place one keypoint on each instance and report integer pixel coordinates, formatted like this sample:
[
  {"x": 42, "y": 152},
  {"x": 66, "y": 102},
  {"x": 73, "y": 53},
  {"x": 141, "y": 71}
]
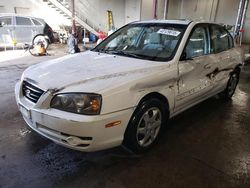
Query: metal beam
[
  {"x": 154, "y": 9},
  {"x": 238, "y": 19},
  {"x": 243, "y": 20},
  {"x": 165, "y": 9},
  {"x": 244, "y": 14},
  {"x": 73, "y": 17}
]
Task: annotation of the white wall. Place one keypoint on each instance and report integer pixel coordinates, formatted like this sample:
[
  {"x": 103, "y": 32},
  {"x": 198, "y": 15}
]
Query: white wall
[
  {"x": 221, "y": 11},
  {"x": 96, "y": 12},
  {"x": 174, "y": 7},
  {"x": 198, "y": 9},
  {"x": 116, "y": 6},
  {"x": 160, "y": 9},
  {"x": 132, "y": 10},
  {"x": 146, "y": 9},
  {"x": 227, "y": 11}
]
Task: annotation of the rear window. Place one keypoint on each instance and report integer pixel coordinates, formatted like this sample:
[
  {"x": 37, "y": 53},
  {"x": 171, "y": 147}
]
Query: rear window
[
  {"x": 23, "y": 21},
  {"x": 5, "y": 21}
]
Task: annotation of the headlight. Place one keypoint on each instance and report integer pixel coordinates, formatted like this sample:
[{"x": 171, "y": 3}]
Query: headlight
[{"x": 80, "y": 103}]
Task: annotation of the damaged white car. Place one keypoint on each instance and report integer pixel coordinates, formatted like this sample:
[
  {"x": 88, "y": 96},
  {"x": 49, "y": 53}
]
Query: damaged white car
[{"x": 124, "y": 90}]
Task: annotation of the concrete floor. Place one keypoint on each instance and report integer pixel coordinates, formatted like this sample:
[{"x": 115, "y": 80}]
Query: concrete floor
[{"x": 206, "y": 146}]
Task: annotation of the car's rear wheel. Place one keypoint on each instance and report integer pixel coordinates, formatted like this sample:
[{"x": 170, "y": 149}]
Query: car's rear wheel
[
  {"x": 38, "y": 39},
  {"x": 231, "y": 85},
  {"x": 145, "y": 125}
]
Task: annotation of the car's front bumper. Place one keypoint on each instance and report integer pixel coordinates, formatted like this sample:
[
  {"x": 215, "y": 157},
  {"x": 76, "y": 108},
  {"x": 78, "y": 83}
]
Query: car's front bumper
[{"x": 79, "y": 132}]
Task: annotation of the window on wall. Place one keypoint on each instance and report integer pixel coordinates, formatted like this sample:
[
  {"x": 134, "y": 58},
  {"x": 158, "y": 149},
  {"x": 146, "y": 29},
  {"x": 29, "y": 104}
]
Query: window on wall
[
  {"x": 4, "y": 21},
  {"x": 221, "y": 39},
  {"x": 197, "y": 44},
  {"x": 23, "y": 21}
]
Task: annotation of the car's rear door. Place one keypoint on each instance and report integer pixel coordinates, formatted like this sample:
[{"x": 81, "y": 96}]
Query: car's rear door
[
  {"x": 24, "y": 29},
  {"x": 38, "y": 27},
  {"x": 195, "y": 69},
  {"x": 6, "y": 30},
  {"x": 224, "y": 52}
]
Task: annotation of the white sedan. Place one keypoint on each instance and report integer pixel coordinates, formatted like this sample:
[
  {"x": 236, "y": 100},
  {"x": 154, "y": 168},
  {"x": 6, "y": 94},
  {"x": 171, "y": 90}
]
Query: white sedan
[{"x": 124, "y": 90}]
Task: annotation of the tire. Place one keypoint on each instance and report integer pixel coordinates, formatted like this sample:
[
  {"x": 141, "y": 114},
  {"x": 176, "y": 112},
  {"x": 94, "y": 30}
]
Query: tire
[
  {"x": 41, "y": 38},
  {"x": 145, "y": 125},
  {"x": 231, "y": 86},
  {"x": 32, "y": 51}
]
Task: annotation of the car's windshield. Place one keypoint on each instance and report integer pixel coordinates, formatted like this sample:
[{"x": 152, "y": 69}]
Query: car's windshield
[{"x": 155, "y": 41}]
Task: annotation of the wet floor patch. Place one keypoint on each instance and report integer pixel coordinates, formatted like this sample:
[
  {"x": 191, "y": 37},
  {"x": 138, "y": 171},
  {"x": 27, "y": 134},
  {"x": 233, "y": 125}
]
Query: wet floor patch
[{"x": 58, "y": 161}]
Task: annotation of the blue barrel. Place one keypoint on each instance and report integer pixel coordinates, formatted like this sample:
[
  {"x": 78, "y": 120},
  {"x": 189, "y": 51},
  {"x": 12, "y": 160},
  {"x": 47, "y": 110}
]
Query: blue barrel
[{"x": 92, "y": 37}]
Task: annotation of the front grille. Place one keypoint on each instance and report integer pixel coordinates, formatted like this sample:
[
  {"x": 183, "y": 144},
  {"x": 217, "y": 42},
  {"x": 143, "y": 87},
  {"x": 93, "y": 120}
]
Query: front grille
[{"x": 31, "y": 92}]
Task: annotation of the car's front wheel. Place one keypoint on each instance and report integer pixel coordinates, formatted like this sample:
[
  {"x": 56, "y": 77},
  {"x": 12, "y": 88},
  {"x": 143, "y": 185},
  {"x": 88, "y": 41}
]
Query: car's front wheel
[{"x": 145, "y": 125}]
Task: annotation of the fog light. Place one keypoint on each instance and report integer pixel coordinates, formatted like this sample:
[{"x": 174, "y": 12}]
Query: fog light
[{"x": 74, "y": 141}]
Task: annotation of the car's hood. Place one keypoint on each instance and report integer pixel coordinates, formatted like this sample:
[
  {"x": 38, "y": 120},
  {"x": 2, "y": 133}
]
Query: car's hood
[{"x": 73, "y": 70}]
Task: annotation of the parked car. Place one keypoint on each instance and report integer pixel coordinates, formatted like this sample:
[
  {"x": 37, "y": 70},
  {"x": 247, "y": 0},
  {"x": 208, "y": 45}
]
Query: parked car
[
  {"x": 23, "y": 30},
  {"x": 124, "y": 90}
]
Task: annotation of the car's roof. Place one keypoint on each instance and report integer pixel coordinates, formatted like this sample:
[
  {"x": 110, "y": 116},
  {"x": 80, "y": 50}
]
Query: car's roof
[
  {"x": 177, "y": 21},
  {"x": 21, "y": 15},
  {"x": 181, "y": 21}
]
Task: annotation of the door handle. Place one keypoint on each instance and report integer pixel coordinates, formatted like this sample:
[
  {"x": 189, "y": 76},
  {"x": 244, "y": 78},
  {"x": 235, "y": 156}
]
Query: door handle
[
  {"x": 213, "y": 73},
  {"x": 207, "y": 66}
]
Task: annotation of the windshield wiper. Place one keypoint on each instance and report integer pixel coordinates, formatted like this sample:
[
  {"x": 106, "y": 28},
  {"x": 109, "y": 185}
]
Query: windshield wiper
[
  {"x": 99, "y": 50},
  {"x": 124, "y": 53},
  {"x": 129, "y": 54}
]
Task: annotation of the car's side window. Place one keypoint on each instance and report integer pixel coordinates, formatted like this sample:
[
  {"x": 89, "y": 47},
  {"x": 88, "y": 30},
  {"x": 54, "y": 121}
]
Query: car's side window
[
  {"x": 4, "y": 21},
  {"x": 197, "y": 44},
  {"x": 221, "y": 40},
  {"x": 231, "y": 41},
  {"x": 36, "y": 22},
  {"x": 23, "y": 21}
]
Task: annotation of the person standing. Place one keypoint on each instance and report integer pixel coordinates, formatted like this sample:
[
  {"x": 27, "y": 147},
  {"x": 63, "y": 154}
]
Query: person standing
[{"x": 72, "y": 43}]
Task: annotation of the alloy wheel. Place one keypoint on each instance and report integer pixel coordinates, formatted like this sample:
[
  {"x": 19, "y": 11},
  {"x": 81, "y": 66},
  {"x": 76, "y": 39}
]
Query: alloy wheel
[{"x": 149, "y": 127}]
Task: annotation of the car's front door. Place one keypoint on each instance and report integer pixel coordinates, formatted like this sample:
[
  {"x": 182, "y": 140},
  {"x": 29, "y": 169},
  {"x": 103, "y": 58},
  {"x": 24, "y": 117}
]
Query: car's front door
[
  {"x": 196, "y": 69},
  {"x": 24, "y": 30}
]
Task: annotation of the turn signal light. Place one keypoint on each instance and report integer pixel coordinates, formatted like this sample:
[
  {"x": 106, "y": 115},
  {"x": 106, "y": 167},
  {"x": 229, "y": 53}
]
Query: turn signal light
[
  {"x": 113, "y": 124},
  {"x": 94, "y": 105}
]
